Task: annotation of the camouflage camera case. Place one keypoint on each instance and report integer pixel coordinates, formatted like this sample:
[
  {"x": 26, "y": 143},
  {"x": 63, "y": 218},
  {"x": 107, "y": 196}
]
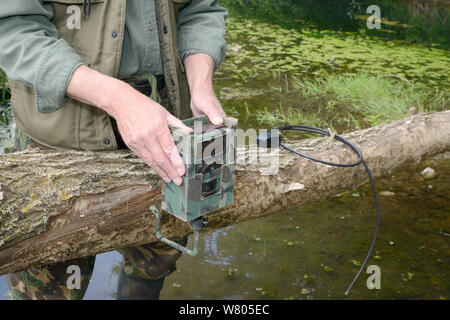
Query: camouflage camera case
[{"x": 209, "y": 154}]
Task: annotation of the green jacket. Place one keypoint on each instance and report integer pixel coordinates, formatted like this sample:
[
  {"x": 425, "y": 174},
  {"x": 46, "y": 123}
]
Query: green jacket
[{"x": 41, "y": 49}]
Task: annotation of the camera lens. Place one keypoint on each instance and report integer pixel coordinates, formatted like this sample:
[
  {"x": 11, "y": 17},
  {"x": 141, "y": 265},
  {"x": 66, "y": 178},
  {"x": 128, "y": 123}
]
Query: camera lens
[{"x": 209, "y": 188}]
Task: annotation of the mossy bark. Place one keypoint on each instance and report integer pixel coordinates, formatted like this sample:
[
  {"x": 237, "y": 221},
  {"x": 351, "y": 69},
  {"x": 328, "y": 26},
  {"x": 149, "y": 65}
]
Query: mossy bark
[{"x": 60, "y": 205}]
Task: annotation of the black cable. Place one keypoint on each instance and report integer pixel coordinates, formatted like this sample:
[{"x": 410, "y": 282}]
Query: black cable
[{"x": 361, "y": 160}]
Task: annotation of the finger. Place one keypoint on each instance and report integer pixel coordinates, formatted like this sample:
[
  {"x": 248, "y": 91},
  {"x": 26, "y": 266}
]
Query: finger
[
  {"x": 213, "y": 113},
  {"x": 167, "y": 144},
  {"x": 148, "y": 159},
  {"x": 195, "y": 111},
  {"x": 175, "y": 122},
  {"x": 163, "y": 161},
  {"x": 219, "y": 108}
]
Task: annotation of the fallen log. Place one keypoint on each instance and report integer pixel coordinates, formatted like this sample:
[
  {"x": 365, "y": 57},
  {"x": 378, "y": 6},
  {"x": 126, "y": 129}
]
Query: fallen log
[{"x": 59, "y": 205}]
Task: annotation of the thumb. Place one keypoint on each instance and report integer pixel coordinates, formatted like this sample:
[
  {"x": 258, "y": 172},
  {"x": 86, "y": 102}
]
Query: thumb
[{"x": 214, "y": 115}]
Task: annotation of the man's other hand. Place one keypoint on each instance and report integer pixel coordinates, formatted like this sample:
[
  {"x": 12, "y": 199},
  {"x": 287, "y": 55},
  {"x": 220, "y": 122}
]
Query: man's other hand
[{"x": 199, "y": 71}]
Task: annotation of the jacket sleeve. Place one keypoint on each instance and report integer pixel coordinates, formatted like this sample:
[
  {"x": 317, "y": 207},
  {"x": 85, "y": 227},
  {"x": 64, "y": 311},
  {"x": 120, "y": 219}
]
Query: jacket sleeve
[
  {"x": 31, "y": 52},
  {"x": 201, "y": 29}
]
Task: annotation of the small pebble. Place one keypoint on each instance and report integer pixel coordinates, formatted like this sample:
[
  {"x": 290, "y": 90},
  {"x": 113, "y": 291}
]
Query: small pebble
[
  {"x": 305, "y": 291},
  {"x": 391, "y": 243},
  {"x": 428, "y": 173}
]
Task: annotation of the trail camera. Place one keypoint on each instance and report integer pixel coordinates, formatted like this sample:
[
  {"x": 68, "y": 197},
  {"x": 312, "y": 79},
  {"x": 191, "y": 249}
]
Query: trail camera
[{"x": 209, "y": 155}]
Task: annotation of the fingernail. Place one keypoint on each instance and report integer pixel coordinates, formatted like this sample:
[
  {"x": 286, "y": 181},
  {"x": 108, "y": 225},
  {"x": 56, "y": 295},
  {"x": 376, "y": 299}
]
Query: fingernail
[
  {"x": 166, "y": 180},
  {"x": 178, "y": 181},
  {"x": 217, "y": 120},
  {"x": 180, "y": 172}
]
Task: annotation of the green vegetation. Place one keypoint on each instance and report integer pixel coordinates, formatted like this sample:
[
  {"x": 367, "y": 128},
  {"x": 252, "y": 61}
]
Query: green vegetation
[
  {"x": 348, "y": 102},
  {"x": 274, "y": 74},
  {"x": 5, "y": 113},
  {"x": 259, "y": 49},
  {"x": 420, "y": 21},
  {"x": 427, "y": 21}
]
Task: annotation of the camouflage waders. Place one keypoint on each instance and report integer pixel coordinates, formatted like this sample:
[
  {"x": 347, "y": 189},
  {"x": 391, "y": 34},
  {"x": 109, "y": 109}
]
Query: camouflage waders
[{"x": 142, "y": 275}]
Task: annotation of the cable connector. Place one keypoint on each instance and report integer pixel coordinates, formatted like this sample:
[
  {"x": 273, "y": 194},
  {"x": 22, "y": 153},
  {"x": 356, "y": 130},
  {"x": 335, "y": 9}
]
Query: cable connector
[{"x": 269, "y": 139}]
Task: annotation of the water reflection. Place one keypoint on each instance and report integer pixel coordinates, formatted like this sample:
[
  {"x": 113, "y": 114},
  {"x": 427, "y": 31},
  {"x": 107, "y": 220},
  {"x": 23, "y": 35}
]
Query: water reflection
[{"x": 211, "y": 252}]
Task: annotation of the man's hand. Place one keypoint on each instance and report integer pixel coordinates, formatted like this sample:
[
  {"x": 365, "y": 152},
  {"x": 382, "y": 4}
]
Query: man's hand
[
  {"x": 199, "y": 71},
  {"x": 143, "y": 125},
  {"x": 142, "y": 122}
]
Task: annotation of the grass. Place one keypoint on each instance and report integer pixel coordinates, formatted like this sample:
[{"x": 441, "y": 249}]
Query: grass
[
  {"x": 375, "y": 98},
  {"x": 290, "y": 115},
  {"x": 349, "y": 102}
]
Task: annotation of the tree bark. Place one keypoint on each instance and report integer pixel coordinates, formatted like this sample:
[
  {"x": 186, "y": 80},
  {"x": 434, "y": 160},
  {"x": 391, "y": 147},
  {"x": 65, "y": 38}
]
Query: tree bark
[{"x": 59, "y": 205}]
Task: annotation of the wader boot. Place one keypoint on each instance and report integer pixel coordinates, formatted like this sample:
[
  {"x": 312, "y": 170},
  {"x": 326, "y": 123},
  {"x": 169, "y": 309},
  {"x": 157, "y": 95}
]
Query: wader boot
[{"x": 131, "y": 288}]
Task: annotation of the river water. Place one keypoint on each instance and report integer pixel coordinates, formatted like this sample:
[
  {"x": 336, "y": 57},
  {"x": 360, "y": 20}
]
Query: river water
[{"x": 313, "y": 251}]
